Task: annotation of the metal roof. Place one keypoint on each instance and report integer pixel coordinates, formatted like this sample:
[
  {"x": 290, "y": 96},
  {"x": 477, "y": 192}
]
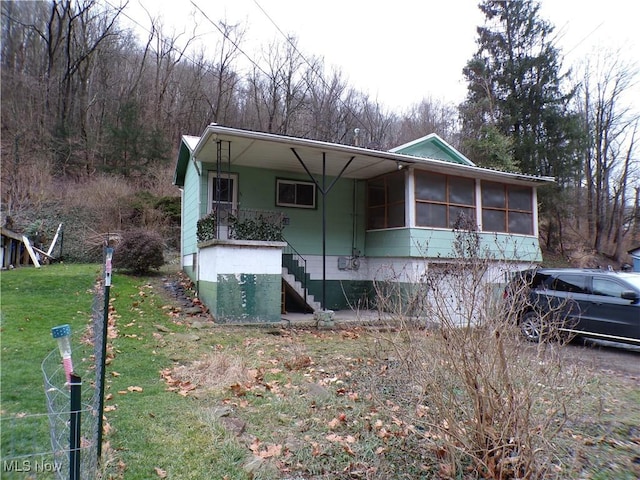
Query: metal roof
[{"x": 276, "y": 152}]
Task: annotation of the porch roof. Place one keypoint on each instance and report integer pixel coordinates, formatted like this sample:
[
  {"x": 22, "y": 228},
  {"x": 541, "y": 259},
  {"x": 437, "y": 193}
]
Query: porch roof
[{"x": 278, "y": 152}]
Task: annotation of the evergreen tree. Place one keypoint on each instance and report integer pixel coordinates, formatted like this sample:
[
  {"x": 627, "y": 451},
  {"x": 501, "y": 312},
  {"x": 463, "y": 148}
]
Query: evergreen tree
[
  {"x": 134, "y": 147},
  {"x": 125, "y": 139},
  {"x": 515, "y": 91}
]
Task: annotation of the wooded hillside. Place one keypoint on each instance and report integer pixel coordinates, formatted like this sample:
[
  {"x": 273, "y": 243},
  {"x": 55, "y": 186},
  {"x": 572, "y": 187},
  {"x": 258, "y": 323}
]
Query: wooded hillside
[{"x": 92, "y": 117}]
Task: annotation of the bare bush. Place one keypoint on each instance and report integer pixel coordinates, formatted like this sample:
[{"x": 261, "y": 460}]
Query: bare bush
[
  {"x": 26, "y": 186},
  {"x": 139, "y": 251},
  {"x": 484, "y": 400},
  {"x": 159, "y": 181},
  {"x": 102, "y": 196}
]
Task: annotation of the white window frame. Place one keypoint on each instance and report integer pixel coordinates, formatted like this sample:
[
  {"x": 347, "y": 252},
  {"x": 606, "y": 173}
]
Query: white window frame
[
  {"x": 211, "y": 186},
  {"x": 280, "y": 181}
]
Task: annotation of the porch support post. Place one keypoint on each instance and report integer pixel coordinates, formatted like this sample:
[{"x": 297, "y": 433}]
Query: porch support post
[
  {"x": 324, "y": 233},
  {"x": 324, "y": 190},
  {"x": 217, "y": 194}
]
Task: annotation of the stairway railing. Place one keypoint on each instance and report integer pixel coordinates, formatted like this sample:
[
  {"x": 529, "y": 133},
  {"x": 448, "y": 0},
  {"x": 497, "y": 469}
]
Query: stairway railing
[{"x": 296, "y": 264}]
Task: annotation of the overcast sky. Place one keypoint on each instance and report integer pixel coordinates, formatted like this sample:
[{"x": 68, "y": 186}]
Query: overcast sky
[{"x": 401, "y": 51}]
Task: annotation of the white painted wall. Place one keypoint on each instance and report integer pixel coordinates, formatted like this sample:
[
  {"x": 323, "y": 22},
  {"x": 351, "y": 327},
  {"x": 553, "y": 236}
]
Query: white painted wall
[
  {"x": 238, "y": 257},
  {"x": 409, "y": 270}
]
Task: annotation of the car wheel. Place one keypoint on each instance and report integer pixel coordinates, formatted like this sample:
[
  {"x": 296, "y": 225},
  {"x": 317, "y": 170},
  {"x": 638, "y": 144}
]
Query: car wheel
[{"x": 531, "y": 326}]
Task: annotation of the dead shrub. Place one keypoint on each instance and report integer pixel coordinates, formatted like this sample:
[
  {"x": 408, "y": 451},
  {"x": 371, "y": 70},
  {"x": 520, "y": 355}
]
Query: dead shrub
[
  {"x": 26, "y": 186},
  {"x": 484, "y": 400},
  {"x": 89, "y": 207},
  {"x": 101, "y": 196}
]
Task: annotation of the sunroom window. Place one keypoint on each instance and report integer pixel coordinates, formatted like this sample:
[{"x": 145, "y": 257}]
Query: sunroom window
[
  {"x": 443, "y": 201},
  {"x": 507, "y": 208},
  {"x": 385, "y": 201}
]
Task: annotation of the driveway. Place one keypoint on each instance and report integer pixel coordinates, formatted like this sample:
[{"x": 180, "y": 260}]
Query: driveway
[{"x": 616, "y": 358}]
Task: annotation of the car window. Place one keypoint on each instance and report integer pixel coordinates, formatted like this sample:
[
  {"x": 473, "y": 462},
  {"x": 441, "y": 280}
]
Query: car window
[
  {"x": 632, "y": 278},
  {"x": 541, "y": 280},
  {"x": 570, "y": 283},
  {"x": 608, "y": 288}
]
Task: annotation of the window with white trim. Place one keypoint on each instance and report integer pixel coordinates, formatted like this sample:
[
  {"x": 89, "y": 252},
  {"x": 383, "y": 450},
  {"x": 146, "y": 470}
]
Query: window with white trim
[
  {"x": 295, "y": 193},
  {"x": 223, "y": 192}
]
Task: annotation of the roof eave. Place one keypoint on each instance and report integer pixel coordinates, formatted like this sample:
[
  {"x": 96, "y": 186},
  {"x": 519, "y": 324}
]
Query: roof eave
[
  {"x": 213, "y": 130},
  {"x": 184, "y": 154}
]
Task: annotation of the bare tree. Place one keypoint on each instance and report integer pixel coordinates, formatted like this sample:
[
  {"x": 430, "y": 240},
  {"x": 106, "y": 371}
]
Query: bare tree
[
  {"x": 608, "y": 120},
  {"x": 226, "y": 79},
  {"x": 377, "y": 124},
  {"x": 168, "y": 52},
  {"x": 64, "y": 37},
  {"x": 278, "y": 90},
  {"x": 621, "y": 220},
  {"x": 428, "y": 116},
  {"x": 331, "y": 107}
]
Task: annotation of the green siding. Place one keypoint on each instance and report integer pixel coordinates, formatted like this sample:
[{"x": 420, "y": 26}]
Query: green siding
[
  {"x": 191, "y": 210},
  {"x": 437, "y": 149},
  {"x": 431, "y": 151},
  {"x": 243, "y": 298},
  {"x": 359, "y": 293},
  {"x": 388, "y": 243},
  {"x": 257, "y": 190},
  {"x": 426, "y": 243},
  {"x": 191, "y": 272},
  {"x": 208, "y": 293}
]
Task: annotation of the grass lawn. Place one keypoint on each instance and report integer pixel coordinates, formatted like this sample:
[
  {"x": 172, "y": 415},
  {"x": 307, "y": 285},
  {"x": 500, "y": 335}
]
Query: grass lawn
[
  {"x": 34, "y": 301},
  {"x": 190, "y": 399}
]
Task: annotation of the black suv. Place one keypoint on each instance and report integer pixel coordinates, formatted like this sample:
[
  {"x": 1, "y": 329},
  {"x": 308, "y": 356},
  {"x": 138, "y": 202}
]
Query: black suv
[{"x": 594, "y": 303}]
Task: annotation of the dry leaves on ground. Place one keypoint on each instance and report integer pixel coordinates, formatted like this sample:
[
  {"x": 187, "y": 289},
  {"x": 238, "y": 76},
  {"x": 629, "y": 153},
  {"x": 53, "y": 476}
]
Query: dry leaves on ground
[{"x": 265, "y": 451}]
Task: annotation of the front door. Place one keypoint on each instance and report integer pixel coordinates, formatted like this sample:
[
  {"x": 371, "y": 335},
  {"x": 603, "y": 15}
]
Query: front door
[
  {"x": 610, "y": 315},
  {"x": 223, "y": 199}
]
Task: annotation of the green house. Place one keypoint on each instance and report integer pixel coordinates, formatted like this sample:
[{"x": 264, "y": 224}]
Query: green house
[{"x": 310, "y": 225}]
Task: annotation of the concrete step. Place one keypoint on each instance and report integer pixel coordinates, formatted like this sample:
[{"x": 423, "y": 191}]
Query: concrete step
[{"x": 297, "y": 286}]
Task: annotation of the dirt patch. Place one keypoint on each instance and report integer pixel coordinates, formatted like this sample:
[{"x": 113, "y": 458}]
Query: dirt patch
[{"x": 216, "y": 371}]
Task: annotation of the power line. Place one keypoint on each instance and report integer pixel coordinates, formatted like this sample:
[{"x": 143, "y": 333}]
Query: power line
[
  {"x": 224, "y": 34},
  {"x": 238, "y": 48},
  {"x": 313, "y": 67},
  {"x": 584, "y": 39},
  {"x": 146, "y": 30},
  {"x": 288, "y": 39}
]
